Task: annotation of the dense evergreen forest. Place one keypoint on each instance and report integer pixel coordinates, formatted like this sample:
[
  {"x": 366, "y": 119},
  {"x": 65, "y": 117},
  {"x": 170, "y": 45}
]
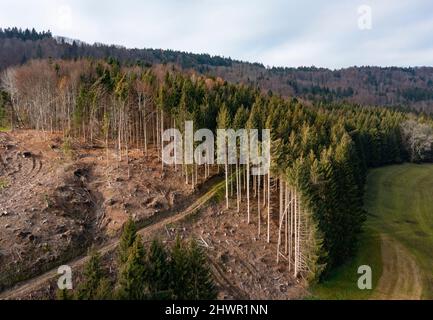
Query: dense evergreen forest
[
  {"x": 320, "y": 152},
  {"x": 147, "y": 273},
  {"x": 390, "y": 86}
]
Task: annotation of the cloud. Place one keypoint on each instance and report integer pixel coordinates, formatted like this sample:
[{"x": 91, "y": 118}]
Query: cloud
[
  {"x": 64, "y": 19},
  {"x": 274, "y": 32}
]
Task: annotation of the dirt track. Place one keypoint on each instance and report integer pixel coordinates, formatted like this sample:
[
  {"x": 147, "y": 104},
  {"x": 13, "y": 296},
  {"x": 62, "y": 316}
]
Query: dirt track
[
  {"x": 33, "y": 284},
  {"x": 401, "y": 276}
]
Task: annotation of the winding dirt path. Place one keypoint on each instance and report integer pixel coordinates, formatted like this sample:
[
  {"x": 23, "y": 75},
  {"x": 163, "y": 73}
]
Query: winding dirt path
[
  {"x": 401, "y": 277},
  {"x": 33, "y": 284}
]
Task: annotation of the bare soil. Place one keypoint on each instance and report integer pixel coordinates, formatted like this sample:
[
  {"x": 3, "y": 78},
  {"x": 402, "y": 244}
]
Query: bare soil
[{"x": 54, "y": 206}]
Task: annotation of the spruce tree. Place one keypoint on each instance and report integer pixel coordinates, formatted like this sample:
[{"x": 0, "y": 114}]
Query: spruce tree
[
  {"x": 104, "y": 290},
  {"x": 157, "y": 270},
  {"x": 179, "y": 270},
  {"x": 129, "y": 234},
  {"x": 93, "y": 277},
  {"x": 131, "y": 280},
  {"x": 201, "y": 286}
]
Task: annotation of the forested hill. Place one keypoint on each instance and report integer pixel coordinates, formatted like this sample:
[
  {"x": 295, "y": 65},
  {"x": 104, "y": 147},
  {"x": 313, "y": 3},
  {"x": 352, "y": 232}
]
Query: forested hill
[{"x": 391, "y": 86}]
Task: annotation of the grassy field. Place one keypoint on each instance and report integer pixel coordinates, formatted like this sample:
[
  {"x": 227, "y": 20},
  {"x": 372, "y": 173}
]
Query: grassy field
[{"x": 398, "y": 238}]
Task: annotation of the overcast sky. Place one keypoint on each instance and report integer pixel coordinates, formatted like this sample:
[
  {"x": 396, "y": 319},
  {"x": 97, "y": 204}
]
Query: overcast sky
[{"x": 273, "y": 32}]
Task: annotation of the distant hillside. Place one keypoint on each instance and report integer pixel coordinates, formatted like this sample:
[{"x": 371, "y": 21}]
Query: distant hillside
[{"x": 391, "y": 86}]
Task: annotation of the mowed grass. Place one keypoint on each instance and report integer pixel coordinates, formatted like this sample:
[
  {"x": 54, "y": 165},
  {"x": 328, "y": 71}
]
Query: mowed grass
[
  {"x": 342, "y": 283},
  {"x": 399, "y": 203}
]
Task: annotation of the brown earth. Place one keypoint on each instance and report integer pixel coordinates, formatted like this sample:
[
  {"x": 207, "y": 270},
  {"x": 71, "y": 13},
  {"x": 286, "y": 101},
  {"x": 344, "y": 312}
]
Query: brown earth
[
  {"x": 57, "y": 205},
  {"x": 43, "y": 286}
]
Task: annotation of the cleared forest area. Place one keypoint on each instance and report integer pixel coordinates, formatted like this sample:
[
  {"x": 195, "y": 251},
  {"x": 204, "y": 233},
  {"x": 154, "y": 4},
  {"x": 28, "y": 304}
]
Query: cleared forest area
[
  {"x": 56, "y": 202},
  {"x": 303, "y": 217}
]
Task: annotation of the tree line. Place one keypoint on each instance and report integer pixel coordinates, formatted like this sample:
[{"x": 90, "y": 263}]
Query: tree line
[
  {"x": 26, "y": 34},
  {"x": 320, "y": 152},
  {"x": 391, "y": 86}
]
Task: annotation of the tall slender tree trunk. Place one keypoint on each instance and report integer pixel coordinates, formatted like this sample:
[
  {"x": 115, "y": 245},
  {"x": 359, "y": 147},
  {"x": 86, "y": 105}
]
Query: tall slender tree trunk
[
  {"x": 269, "y": 208},
  {"x": 127, "y": 151},
  {"x": 248, "y": 192},
  {"x": 119, "y": 136},
  {"x": 157, "y": 131},
  {"x": 231, "y": 180},
  {"x": 298, "y": 203},
  {"x": 145, "y": 126},
  {"x": 227, "y": 179},
  {"x": 237, "y": 186},
  {"x": 175, "y": 147},
  {"x": 192, "y": 177},
  {"x": 240, "y": 182},
  {"x": 296, "y": 221},
  {"x": 162, "y": 142},
  {"x": 288, "y": 233},
  {"x": 258, "y": 204}
]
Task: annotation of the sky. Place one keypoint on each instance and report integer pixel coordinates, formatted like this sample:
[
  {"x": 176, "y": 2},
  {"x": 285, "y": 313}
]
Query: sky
[{"x": 291, "y": 33}]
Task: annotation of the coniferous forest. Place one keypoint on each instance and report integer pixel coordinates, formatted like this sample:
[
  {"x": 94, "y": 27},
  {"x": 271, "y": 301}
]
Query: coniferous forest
[
  {"x": 153, "y": 273},
  {"x": 320, "y": 155}
]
